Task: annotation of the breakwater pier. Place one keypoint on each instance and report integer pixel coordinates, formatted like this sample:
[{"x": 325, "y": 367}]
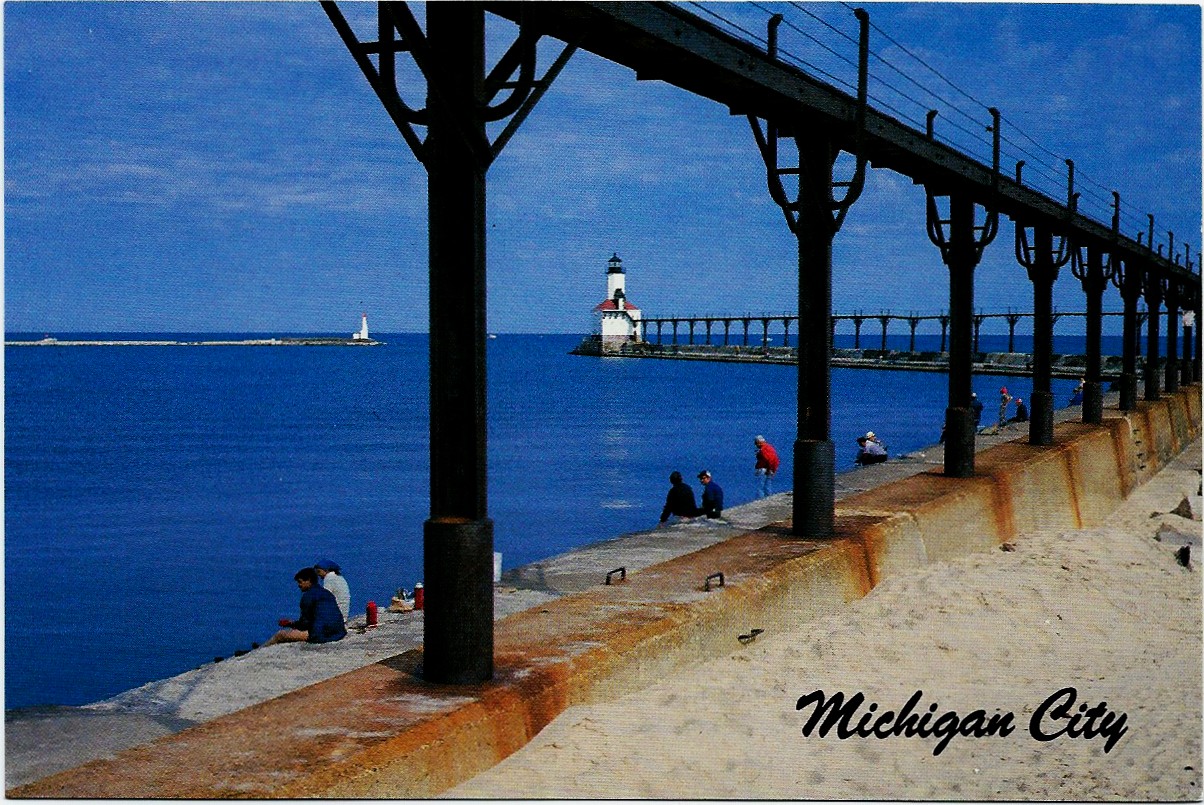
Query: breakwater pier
[
  {"x": 315, "y": 341},
  {"x": 1012, "y": 364},
  {"x": 571, "y": 638}
]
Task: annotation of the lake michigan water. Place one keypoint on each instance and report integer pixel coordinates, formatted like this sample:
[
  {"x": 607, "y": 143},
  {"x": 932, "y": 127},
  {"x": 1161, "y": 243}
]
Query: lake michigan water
[{"x": 159, "y": 499}]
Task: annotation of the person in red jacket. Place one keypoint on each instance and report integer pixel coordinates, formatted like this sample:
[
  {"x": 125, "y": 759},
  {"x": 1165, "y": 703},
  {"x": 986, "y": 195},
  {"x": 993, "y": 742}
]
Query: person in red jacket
[{"x": 766, "y": 466}]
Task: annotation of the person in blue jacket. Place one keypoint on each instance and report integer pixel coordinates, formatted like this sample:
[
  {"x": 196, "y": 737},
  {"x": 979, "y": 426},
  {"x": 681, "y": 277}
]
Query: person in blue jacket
[
  {"x": 712, "y": 496},
  {"x": 321, "y": 620}
]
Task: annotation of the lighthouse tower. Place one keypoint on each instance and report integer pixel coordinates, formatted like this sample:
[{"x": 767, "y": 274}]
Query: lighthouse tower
[
  {"x": 619, "y": 318},
  {"x": 362, "y": 335}
]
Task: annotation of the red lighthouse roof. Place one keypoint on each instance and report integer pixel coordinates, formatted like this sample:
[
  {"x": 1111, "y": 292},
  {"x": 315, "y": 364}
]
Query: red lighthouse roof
[{"x": 609, "y": 304}]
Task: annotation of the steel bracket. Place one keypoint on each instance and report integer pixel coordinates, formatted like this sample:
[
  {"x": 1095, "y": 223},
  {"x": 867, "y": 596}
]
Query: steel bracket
[{"x": 394, "y": 19}]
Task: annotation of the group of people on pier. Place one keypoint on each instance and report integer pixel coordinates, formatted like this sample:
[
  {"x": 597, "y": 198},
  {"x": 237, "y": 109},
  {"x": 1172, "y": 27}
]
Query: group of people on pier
[
  {"x": 325, "y": 606},
  {"x": 679, "y": 502}
]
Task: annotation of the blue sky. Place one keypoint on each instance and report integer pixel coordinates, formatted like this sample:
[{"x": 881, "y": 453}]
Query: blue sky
[{"x": 225, "y": 167}]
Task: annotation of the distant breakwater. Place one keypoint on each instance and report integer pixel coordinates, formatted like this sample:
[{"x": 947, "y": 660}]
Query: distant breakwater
[
  {"x": 254, "y": 342},
  {"x": 987, "y": 363}
]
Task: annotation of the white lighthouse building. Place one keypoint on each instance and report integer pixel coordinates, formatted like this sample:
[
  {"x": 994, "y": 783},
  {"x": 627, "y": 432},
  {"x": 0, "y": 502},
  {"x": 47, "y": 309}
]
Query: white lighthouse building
[
  {"x": 620, "y": 320},
  {"x": 362, "y": 335}
]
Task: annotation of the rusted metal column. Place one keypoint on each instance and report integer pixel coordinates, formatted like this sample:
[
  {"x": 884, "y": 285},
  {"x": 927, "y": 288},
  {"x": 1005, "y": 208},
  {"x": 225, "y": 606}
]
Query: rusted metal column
[
  {"x": 1127, "y": 279},
  {"x": 944, "y": 331},
  {"x": 977, "y": 326},
  {"x": 1172, "y": 337},
  {"x": 746, "y": 332},
  {"x": 1153, "y": 300},
  {"x": 857, "y": 331},
  {"x": 727, "y": 325},
  {"x": 814, "y": 507},
  {"x": 885, "y": 320},
  {"x": 458, "y": 537},
  {"x": 912, "y": 322},
  {"x": 1042, "y": 273},
  {"x": 961, "y": 254},
  {"x": 1093, "y": 276}
]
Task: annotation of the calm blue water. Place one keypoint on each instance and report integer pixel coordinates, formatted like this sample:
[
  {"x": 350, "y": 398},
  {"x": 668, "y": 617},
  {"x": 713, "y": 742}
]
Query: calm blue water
[{"x": 159, "y": 499}]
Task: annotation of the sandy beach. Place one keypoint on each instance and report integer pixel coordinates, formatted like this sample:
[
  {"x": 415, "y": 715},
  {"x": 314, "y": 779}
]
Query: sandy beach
[{"x": 1107, "y": 611}]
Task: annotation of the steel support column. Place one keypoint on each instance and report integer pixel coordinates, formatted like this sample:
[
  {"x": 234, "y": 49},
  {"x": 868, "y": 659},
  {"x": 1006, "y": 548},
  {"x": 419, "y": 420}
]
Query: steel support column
[
  {"x": 814, "y": 510},
  {"x": 1012, "y": 319},
  {"x": 962, "y": 257},
  {"x": 458, "y": 537},
  {"x": 1172, "y": 338},
  {"x": 814, "y": 216},
  {"x": 1127, "y": 279},
  {"x": 1153, "y": 300},
  {"x": 1093, "y": 275},
  {"x": 1042, "y": 273}
]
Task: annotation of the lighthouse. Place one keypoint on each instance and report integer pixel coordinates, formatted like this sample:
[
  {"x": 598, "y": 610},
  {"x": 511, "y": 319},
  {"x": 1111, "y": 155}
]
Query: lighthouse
[
  {"x": 619, "y": 319},
  {"x": 362, "y": 335}
]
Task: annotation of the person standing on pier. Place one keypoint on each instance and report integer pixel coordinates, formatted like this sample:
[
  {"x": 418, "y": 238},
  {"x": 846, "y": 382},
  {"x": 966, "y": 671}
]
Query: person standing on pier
[
  {"x": 680, "y": 500},
  {"x": 766, "y": 466},
  {"x": 712, "y": 496},
  {"x": 1004, "y": 399}
]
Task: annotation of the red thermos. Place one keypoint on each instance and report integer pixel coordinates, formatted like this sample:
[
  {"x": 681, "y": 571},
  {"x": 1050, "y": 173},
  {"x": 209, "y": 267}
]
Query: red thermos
[
  {"x": 371, "y": 619},
  {"x": 418, "y": 596}
]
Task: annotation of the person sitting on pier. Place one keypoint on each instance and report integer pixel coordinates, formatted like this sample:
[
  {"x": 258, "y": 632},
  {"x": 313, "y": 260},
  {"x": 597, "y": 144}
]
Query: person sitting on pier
[
  {"x": 680, "y": 500},
  {"x": 1076, "y": 398},
  {"x": 712, "y": 496},
  {"x": 320, "y": 621},
  {"x": 872, "y": 451},
  {"x": 1021, "y": 412},
  {"x": 766, "y": 466},
  {"x": 976, "y": 407},
  {"x": 332, "y": 579}
]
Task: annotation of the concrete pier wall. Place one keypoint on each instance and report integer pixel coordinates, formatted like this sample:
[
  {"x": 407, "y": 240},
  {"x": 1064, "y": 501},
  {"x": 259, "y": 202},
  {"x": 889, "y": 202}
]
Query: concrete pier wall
[{"x": 381, "y": 731}]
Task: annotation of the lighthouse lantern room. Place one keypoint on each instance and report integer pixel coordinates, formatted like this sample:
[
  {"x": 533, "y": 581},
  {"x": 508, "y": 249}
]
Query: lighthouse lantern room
[{"x": 619, "y": 319}]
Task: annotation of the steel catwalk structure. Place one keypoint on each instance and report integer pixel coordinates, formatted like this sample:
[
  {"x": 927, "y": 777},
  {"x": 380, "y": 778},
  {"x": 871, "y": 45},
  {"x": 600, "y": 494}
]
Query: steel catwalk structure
[{"x": 664, "y": 42}]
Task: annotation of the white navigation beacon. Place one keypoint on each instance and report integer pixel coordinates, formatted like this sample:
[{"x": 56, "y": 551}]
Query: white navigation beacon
[{"x": 362, "y": 335}]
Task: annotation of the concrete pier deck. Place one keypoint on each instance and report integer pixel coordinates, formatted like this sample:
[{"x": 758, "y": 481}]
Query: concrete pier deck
[{"x": 380, "y": 730}]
